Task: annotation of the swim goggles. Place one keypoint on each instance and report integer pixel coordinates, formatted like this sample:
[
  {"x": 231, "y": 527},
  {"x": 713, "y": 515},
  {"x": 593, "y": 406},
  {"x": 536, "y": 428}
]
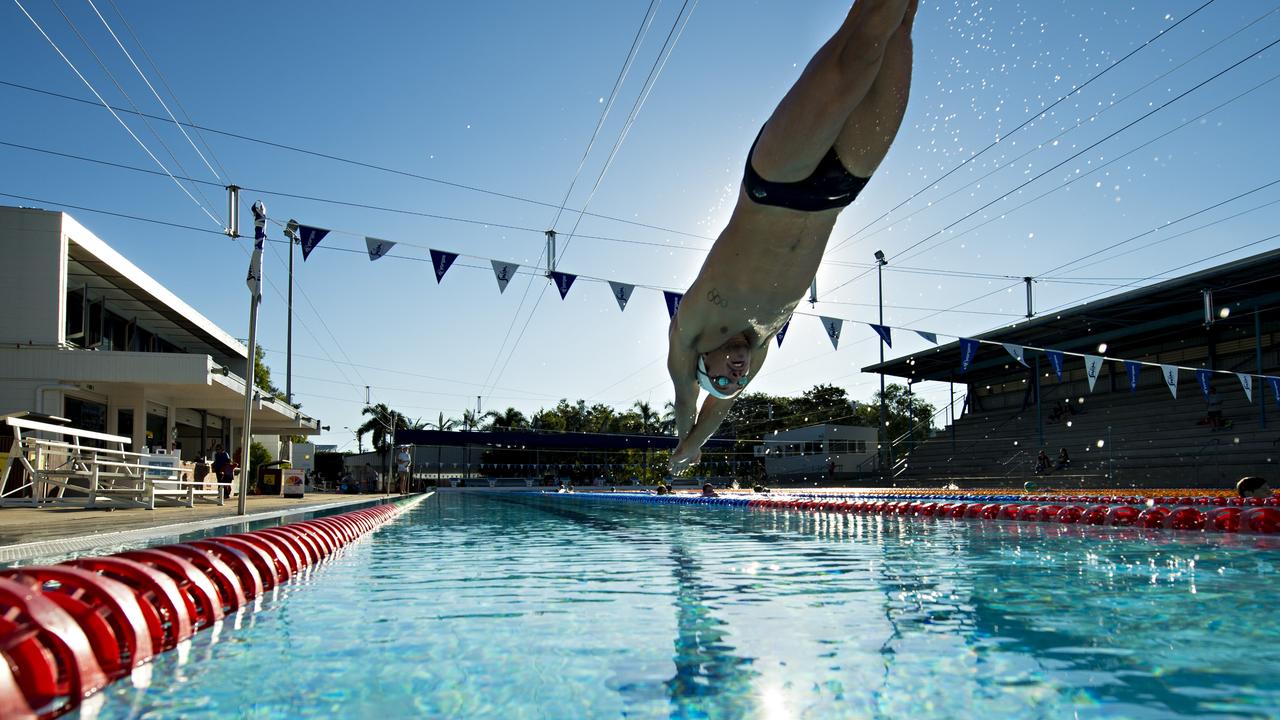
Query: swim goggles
[{"x": 717, "y": 385}]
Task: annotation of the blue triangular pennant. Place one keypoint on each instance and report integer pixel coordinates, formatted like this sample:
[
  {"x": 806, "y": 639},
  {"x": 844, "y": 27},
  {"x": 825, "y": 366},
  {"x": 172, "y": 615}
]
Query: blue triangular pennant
[
  {"x": 1055, "y": 359},
  {"x": 378, "y": 247},
  {"x": 1017, "y": 352},
  {"x": 1204, "y": 377},
  {"x": 1132, "y": 368},
  {"x": 833, "y": 326},
  {"x": 673, "y": 302},
  {"x": 621, "y": 293},
  {"x": 968, "y": 350},
  {"x": 563, "y": 281},
  {"x": 441, "y": 260},
  {"x": 931, "y": 337},
  {"x": 783, "y": 332},
  {"x": 1274, "y": 382},
  {"x": 883, "y": 332},
  {"x": 310, "y": 237}
]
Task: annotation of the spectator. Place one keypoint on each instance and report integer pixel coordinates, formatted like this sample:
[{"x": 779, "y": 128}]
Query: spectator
[
  {"x": 223, "y": 469},
  {"x": 403, "y": 462},
  {"x": 1042, "y": 462},
  {"x": 1253, "y": 486},
  {"x": 1214, "y": 416},
  {"x": 1063, "y": 459}
]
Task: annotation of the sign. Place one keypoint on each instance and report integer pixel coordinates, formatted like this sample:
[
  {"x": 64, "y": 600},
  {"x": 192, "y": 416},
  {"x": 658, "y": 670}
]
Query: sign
[{"x": 292, "y": 481}]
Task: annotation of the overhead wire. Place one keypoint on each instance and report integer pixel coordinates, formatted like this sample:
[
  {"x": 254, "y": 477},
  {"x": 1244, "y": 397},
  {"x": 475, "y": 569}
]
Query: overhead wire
[
  {"x": 349, "y": 161},
  {"x": 1074, "y": 156},
  {"x": 151, "y": 87},
  {"x": 109, "y": 108},
  {"x": 1028, "y": 121},
  {"x": 1050, "y": 141}
]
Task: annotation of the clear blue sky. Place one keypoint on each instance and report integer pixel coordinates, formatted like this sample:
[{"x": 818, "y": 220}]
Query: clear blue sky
[{"x": 504, "y": 97}]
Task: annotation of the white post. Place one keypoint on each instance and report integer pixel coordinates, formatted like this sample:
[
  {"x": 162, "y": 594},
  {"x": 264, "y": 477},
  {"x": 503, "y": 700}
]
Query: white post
[{"x": 246, "y": 435}]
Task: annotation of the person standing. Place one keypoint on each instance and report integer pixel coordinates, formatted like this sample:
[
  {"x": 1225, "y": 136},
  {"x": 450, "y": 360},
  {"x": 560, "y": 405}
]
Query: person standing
[{"x": 403, "y": 463}]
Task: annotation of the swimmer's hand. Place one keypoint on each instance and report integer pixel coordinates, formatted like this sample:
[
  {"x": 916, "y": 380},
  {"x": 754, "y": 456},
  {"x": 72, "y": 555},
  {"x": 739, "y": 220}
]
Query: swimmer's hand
[{"x": 684, "y": 458}]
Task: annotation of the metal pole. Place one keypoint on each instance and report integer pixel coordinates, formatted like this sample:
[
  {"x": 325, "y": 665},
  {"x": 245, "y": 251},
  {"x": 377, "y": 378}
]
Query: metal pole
[
  {"x": 288, "y": 345},
  {"x": 1262, "y": 390},
  {"x": 551, "y": 251},
  {"x": 246, "y": 434},
  {"x": 233, "y": 212},
  {"x": 1030, "y": 305},
  {"x": 884, "y": 428},
  {"x": 1039, "y": 415},
  {"x": 952, "y": 383}
]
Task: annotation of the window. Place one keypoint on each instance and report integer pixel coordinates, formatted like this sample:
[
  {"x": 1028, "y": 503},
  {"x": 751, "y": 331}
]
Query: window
[{"x": 76, "y": 314}]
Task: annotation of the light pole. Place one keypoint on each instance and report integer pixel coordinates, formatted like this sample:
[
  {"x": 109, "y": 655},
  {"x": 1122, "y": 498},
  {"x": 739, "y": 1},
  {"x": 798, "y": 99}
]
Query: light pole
[{"x": 884, "y": 428}]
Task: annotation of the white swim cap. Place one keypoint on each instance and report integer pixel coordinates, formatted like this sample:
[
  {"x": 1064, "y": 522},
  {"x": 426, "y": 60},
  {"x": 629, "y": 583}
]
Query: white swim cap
[{"x": 705, "y": 380}]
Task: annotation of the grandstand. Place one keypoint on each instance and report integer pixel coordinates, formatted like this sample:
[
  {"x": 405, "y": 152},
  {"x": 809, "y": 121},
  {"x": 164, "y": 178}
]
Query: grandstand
[{"x": 1223, "y": 318}]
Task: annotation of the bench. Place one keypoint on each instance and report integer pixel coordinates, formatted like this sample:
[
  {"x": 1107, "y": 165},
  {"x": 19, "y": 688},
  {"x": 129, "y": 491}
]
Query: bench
[{"x": 57, "y": 465}]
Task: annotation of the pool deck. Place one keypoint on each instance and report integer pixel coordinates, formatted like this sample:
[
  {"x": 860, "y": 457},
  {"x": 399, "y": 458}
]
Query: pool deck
[{"x": 32, "y": 532}]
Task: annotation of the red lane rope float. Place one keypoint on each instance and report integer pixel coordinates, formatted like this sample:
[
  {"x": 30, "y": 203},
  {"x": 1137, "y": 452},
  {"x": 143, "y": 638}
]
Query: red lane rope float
[
  {"x": 67, "y": 630},
  {"x": 53, "y": 663},
  {"x": 106, "y": 609}
]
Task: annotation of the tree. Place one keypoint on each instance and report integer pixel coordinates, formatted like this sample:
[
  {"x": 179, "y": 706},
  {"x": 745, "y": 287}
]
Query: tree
[
  {"x": 647, "y": 417},
  {"x": 905, "y": 412},
  {"x": 509, "y": 419},
  {"x": 470, "y": 420},
  {"x": 381, "y": 426},
  {"x": 442, "y": 424}
]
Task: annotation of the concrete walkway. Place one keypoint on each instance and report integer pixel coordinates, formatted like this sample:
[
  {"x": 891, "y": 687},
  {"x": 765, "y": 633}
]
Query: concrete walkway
[{"x": 40, "y": 532}]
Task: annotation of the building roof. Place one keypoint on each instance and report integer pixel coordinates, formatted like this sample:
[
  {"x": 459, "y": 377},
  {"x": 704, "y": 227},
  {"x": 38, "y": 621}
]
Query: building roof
[
  {"x": 92, "y": 262},
  {"x": 1240, "y": 285}
]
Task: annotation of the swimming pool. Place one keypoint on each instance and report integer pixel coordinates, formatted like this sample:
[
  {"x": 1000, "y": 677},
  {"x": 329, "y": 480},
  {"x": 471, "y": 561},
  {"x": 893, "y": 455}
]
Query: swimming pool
[{"x": 528, "y": 606}]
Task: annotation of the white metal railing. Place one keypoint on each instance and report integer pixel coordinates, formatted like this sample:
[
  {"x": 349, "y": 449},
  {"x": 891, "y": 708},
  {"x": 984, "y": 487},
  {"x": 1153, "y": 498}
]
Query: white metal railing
[{"x": 68, "y": 471}]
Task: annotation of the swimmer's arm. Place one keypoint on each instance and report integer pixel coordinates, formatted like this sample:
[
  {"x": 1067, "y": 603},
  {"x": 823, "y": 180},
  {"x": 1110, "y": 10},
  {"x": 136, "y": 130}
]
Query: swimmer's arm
[
  {"x": 680, "y": 364},
  {"x": 714, "y": 411}
]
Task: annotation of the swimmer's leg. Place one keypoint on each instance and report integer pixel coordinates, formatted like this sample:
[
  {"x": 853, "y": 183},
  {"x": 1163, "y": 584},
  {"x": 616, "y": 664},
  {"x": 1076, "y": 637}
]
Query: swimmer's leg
[
  {"x": 867, "y": 134},
  {"x": 814, "y": 113}
]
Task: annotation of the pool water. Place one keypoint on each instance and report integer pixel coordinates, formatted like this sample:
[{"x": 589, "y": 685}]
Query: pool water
[{"x": 531, "y": 606}]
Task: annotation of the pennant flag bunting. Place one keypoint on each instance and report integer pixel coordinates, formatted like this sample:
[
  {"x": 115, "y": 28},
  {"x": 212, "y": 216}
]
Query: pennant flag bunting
[
  {"x": 441, "y": 260},
  {"x": 673, "y": 302},
  {"x": 1170, "y": 373},
  {"x": 563, "y": 281},
  {"x": 1092, "y": 367},
  {"x": 1017, "y": 353},
  {"x": 783, "y": 332},
  {"x": 931, "y": 337},
  {"x": 1055, "y": 359},
  {"x": 884, "y": 334},
  {"x": 378, "y": 248},
  {"x": 833, "y": 326},
  {"x": 621, "y": 293},
  {"x": 310, "y": 237},
  {"x": 503, "y": 272},
  {"x": 1204, "y": 377},
  {"x": 1132, "y": 368},
  {"x": 1274, "y": 382},
  {"x": 1246, "y": 382},
  {"x": 968, "y": 351},
  {"x": 254, "y": 277}
]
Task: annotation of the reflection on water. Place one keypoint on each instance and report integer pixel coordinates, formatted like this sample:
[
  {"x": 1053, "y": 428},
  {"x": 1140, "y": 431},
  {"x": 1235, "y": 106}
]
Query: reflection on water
[{"x": 556, "y": 607}]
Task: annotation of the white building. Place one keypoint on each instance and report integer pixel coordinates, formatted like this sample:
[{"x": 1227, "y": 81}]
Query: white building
[
  {"x": 86, "y": 335},
  {"x": 817, "y": 450}
]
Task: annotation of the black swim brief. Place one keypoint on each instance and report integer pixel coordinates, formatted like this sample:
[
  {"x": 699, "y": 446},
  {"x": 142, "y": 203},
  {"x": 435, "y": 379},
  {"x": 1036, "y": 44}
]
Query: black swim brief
[{"x": 829, "y": 186}]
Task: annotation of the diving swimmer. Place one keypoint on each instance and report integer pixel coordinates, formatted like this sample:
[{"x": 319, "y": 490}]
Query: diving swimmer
[{"x": 811, "y": 159}]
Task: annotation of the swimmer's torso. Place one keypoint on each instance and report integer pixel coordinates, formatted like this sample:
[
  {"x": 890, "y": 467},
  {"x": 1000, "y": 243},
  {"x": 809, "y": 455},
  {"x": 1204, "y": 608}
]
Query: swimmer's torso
[{"x": 755, "y": 275}]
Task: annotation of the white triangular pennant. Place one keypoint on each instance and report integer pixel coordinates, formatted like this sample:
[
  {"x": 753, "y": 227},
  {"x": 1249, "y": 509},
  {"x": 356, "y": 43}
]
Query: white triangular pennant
[
  {"x": 833, "y": 326},
  {"x": 1246, "y": 381},
  {"x": 503, "y": 272},
  {"x": 377, "y": 247},
  {"x": 1092, "y": 367},
  {"x": 621, "y": 293},
  {"x": 1016, "y": 352},
  {"x": 1170, "y": 373}
]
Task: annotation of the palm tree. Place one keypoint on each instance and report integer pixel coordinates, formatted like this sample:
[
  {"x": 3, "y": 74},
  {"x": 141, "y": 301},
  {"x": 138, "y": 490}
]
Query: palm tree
[
  {"x": 442, "y": 424},
  {"x": 471, "y": 420},
  {"x": 509, "y": 419},
  {"x": 668, "y": 425},
  {"x": 648, "y": 418},
  {"x": 381, "y": 425}
]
